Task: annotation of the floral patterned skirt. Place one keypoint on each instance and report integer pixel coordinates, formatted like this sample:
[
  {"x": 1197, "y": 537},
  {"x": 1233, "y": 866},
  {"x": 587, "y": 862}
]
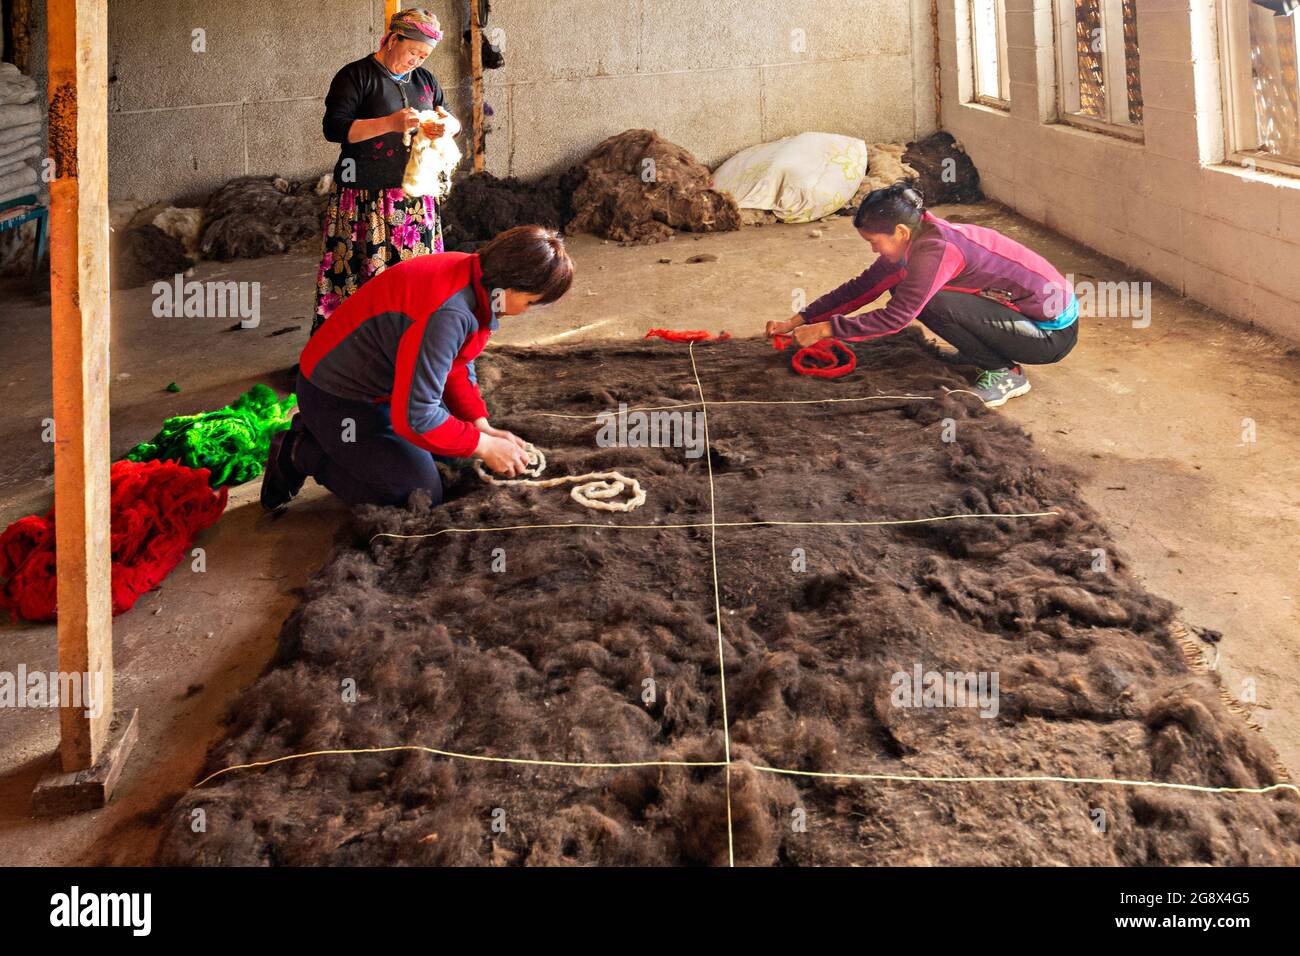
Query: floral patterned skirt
[{"x": 367, "y": 230}]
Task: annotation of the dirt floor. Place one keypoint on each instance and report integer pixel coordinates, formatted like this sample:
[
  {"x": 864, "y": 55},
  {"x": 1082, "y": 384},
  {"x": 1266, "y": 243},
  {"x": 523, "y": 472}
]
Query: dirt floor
[{"x": 1152, "y": 419}]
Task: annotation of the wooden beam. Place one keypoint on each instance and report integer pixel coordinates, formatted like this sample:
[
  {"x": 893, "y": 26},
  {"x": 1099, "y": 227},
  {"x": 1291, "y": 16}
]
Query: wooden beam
[
  {"x": 938, "y": 73},
  {"x": 58, "y": 792},
  {"x": 79, "y": 312},
  {"x": 22, "y": 25},
  {"x": 476, "y": 72},
  {"x": 1112, "y": 62},
  {"x": 391, "y": 9}
]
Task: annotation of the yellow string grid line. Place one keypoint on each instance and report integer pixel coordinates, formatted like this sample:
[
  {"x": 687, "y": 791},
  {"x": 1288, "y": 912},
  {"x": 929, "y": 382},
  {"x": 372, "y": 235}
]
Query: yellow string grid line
[{"x": 717, "y": 606}]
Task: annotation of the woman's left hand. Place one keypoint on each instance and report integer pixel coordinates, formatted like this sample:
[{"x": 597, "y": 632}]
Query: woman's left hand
[
  {"x": 483, "y": 426},
  {"x": 806, "y": 335},
  {"x": 433, "y": 130}
]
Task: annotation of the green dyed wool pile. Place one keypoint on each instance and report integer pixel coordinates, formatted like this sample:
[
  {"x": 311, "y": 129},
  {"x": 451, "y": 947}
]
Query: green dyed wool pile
[{"x": 230, "y": 442}]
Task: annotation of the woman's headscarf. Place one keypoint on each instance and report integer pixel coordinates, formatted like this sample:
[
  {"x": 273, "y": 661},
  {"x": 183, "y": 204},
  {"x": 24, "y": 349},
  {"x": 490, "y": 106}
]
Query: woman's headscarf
[{"x": 418, "y": 25}]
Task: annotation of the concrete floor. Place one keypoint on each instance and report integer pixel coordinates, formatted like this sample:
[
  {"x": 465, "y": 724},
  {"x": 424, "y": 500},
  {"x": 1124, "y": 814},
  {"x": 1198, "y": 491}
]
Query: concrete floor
[{"x": 1151, "y": 420}]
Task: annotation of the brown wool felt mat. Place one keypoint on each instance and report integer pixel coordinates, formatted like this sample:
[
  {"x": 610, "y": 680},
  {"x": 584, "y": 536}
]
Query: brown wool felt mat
[{"x": 548, "y": 659}]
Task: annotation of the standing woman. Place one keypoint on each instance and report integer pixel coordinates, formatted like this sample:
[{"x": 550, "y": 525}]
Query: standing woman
[{"x": 373, "y": 102}]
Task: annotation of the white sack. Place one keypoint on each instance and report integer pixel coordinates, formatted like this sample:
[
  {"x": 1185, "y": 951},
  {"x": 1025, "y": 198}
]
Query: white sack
[{"x": 800, "y": 178}]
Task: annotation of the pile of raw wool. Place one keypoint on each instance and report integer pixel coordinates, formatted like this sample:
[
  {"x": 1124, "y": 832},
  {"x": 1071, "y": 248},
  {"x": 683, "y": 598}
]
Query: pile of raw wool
[
  {"x": 482, "y": 206},
  {"x": 247, "y": 217},
  {"x": 594, "y": 645},
  {"x": 945, "y": 172},
  {"x": 260, "y": 215},
  {"x": 640, "y": 188},
  {"x": 151, "y": 242},
  {"x": 885, "y": 167},
  {"x": 608, "y": 194},
  {"x": 936, "y": 165}
]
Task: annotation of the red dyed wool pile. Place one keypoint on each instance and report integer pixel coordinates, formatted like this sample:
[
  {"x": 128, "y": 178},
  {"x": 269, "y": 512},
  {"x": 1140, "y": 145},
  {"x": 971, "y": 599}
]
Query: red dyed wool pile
[{"x": 156, "y": 507}]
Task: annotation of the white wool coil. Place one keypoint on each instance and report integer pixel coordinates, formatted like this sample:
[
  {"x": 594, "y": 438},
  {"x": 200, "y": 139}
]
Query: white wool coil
[
  {"x": 596, "y": 490},
  {"x": 432, "y": 161}
]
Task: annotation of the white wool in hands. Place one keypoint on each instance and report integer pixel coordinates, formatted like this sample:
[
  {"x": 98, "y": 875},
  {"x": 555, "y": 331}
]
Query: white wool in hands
[{"x": 428, "y": 171}]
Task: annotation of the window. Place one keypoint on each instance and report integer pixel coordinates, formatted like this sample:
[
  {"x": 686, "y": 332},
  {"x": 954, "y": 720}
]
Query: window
[
  {"x": 1101, "y": 86},
  {"x": 988, "y": 31},
  {"x": 1262, "y": 90}
]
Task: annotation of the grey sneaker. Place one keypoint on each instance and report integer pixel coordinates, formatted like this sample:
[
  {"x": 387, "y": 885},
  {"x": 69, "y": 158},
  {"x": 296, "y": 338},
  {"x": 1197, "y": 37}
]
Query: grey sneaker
[{"x": 997, "y": 385}]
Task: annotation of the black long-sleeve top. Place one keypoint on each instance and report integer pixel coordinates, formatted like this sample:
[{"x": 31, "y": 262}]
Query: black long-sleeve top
[{"x": 365, "y": 90}]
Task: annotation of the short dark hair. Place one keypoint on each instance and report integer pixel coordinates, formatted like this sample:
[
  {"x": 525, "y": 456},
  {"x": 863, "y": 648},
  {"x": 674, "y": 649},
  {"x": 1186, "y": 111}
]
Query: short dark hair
[
  {"x": 883, "y": 209},
  {"x": 528, "y": 259}
]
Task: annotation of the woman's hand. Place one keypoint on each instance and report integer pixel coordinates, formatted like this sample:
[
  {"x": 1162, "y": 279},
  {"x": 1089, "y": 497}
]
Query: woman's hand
[
  {"x": 482, "y": 425},
  {"x": 806, "y": 335},
  {"x": 404, "y": 120},
  {"x": 501, "y": 455},
  {"x": 784, "y": 328},
  {"x": 433, "y": 129}
]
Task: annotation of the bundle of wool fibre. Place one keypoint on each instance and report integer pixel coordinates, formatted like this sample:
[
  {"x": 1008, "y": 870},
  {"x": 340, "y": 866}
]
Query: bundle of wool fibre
[
  {"x": 428, "y": 171},
  {"x": 156, "y": 508},
  {"x": 231, "y": 443}
]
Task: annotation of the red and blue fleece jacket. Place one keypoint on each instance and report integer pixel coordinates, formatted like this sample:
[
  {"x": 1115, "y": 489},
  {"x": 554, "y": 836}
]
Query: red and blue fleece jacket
[
  {"x": 952, "y": 257},
  {"x": 409, "y": 337}
]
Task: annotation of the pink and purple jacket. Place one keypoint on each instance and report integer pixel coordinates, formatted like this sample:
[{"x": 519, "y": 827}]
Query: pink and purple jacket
[{"x": 953, "y": 257}]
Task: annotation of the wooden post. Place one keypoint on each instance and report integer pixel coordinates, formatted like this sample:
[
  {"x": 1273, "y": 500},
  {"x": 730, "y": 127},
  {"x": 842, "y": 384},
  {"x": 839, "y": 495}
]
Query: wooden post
[
  {"x": 476, "y": 72},
  {"x": 391, "y": 9},
  {"x": 20, "y": 22},
  {"x": 938, "y": 73},
  {"x": 79, "y": 313}
]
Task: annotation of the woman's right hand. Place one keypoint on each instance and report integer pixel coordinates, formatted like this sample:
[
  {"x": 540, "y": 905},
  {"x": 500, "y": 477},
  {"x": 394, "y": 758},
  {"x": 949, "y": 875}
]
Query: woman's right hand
[
  {"x": 404, "y": 120},
  {"x": 501, "y": 455},
  {"x": 784, "y": 328}
]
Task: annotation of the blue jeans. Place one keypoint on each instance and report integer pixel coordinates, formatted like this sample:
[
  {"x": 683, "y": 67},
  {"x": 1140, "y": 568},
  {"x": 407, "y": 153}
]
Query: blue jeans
[{"x": 350, "y": 447}]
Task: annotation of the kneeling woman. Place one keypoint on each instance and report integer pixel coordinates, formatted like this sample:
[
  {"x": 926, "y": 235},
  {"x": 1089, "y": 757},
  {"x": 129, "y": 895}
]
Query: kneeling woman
[
  {"x": 388, "y": 381},
  {"x": 1001, "y": 305}
]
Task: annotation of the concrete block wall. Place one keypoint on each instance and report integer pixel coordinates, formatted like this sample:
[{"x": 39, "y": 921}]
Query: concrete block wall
[
  {"x": 1169, "y": 206},
  {"x": 182, "y": 122},
  {"x": 714, "y": 76}
]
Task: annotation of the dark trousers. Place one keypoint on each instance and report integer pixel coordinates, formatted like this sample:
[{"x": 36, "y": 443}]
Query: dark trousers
[
  {"x": 350, "y": 448},
  {"x": 993, "y": 336}
]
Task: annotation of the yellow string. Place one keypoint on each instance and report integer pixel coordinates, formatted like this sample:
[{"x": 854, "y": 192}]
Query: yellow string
[
  {"x": 917, "y": 778},
  {"x": 824, "y": 774},
  {"x": 755, "y": 401},
  {"x": 711, "y": 524},
  {"x": 717, "y": 607},
  {"x": 460, "y": 756}
]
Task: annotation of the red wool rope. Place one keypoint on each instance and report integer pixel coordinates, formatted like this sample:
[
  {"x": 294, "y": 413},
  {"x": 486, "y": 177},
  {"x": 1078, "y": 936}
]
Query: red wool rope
[
  {"x": 673, "y": 335},
  {"x": 828, "y": 358}
]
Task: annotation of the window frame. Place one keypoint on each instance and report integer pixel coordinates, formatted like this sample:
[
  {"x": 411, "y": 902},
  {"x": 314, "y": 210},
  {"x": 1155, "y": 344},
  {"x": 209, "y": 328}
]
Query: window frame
[
  {"x": 1114, "y": 71},
  {"x": 1240, "y": 124},
  {"x": 1002, "y": 102}
]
